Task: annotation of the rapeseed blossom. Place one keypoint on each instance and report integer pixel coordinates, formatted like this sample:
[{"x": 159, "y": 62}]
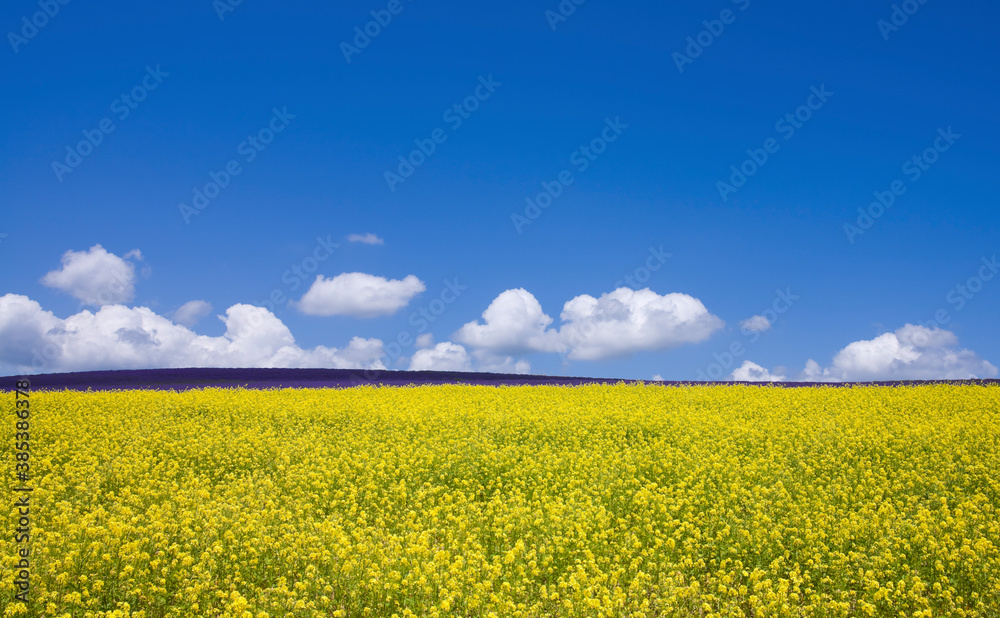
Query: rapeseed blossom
[{"x": 592, "y": 500}]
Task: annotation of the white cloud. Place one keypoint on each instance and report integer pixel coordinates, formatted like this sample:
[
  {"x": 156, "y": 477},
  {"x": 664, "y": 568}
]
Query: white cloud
[
  {"x": 368, "y": 239},
  {"x": 618, "y": 323},
  {"x": 445, "y": 356},
  {"x": 514, "y": 322},
  {"x": 359, "y": 295},
  {"x": 910, "y": 353},
  {"x": 755, "y": 324},
  {"x": 657, "y": 377},
  {"x": 33, "y": 340},
  {"x": 360, "y": 353},
  {"x": 752, "y": 372},
  {"x": 96, "y": 277},
  {"x": 190, "y": 312},
  {"x": 24, "y": 328},
  {"x": 448, "y": 356},
  {"x": 497, "y": 363},
  {"x": 626, "y": 321},
  {"x": 812, "y": 372},
  {"x": 424, "y": 341}
]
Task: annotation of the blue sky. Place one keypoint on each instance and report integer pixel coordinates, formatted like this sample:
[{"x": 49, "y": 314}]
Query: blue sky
[{"x": 650, "y": 112}]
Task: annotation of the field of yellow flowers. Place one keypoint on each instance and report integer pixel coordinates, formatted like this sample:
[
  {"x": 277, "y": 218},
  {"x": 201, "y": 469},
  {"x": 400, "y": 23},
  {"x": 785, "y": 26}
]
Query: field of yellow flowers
[{"x": 597, "y": 500}]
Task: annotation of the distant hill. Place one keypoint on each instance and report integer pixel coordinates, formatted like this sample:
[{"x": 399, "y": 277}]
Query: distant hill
[{"x": 200, "y": 377}]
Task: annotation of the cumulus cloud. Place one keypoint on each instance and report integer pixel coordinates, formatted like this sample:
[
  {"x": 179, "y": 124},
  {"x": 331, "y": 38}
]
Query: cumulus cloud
[
  {"x": 498, "y": 363},
  {"x": 448, "y": 356},
  {"x": 750, "y": 371},
  {"x": 617, "y": 324},
  {"x": 626, "y": 321},
  {"x": 445, "y": 356},
  {"x": 190, "y": 312},
  {"x": 33, "y": 340},
  {"x": 24, "y": 331},
  {"x": 424, "y": 341},
  {"x": 368, "y": 239},
  {"x": 96, "y": 277},
  {"x": 755, "y": 324},
  {"x": 513, "y": 323},
  {"x": 910, "y": 353},
  {"x": 359, "y": 295}
]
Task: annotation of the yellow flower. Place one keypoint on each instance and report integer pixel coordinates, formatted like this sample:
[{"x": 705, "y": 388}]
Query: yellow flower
[{"x": 615, "y": 500}]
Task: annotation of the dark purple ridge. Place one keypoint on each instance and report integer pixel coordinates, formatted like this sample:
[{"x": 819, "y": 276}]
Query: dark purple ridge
[{"x": 200, "y": 377}]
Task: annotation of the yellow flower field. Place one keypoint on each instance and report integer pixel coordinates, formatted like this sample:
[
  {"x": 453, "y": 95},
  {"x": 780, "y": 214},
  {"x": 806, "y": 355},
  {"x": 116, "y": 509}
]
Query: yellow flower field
[{"x": 513, "y": 501}]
